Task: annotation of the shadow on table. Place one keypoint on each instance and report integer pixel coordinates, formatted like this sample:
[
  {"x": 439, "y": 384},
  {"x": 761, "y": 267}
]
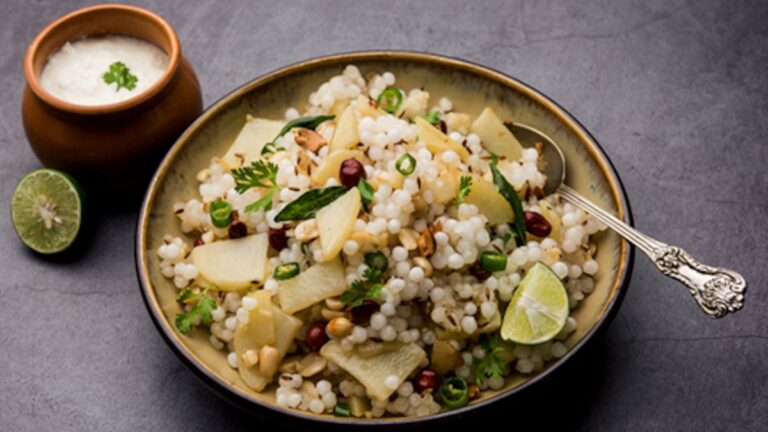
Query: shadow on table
[{"x": 562, "y": 401}]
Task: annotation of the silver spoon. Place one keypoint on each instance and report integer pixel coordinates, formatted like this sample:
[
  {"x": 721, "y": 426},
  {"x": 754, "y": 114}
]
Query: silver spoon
[{"x": 717, "y": 290}]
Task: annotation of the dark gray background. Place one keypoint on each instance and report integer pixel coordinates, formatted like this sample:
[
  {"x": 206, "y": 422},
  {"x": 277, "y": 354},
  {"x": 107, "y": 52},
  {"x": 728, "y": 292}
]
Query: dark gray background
[{"x": 675, "y": 91}]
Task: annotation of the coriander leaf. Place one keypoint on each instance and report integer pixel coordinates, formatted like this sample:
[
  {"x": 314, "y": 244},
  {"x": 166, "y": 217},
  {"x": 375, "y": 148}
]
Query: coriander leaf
[
  {"x": 361, "y": 290},
  {"x": 201, "y": 311},
  {"x": 491, "y": 365},
  {"x": 355, "y": 295},
  {"x": 465, "y": 186},
  {"x": 264, "y": 202},
  {"x": 120, "y": 75},
  {"x": 366, "y": 192},
  {"x": 255, "y": 175},
  {"x": 509, "y": 193},
  {"x": 305, "y": 206}
]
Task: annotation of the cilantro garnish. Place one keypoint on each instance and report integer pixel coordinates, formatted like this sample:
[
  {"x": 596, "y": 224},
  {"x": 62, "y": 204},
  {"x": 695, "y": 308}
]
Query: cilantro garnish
[
  {"x": 202, "y": 309},
  {"x": 120, "y": 75},
  {"x": 367, "y": 288},
  {"x": 259, "y": 174}
]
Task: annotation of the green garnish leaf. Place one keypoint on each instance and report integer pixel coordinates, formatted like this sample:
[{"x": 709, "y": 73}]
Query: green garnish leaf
[
  {"x": 255, "y": 175},
  {"x": 366, "y": 192},
  {"x": 264, "y": 202},
  {"x": 259, "y": 174},
  {"x": 390, "y": 100},
  {"x": 433, "y": 118},
  {"x": 465, "y": 186},
  {"x": 305, "y": 206},
  {"x": 201, "y": 310},
  {"x": 490, "y": 366},
  {"x": 509, "y": 193},
  {"x": 367, "y": 288},
  {"x": 310, "y": 122},
  {"x": 120, "y": 75}
]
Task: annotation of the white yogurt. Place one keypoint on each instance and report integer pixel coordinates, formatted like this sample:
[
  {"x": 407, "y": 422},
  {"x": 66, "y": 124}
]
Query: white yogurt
[{"x": 75, "y": 72}]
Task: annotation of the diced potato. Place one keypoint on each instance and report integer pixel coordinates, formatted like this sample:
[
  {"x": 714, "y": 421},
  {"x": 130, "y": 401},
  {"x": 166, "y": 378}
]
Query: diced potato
[
  {"x": 286, "y": 329},
  {"x": 495, "y": 136},
  {"x": 364, "y": 108},
  {"x": 445, "y": 187},
  {"x": 330, "y": 166},
  {"x": 445, "y": 358},
  {"x": 437, "y": 141},
  {"x": 550, "y": 214},
  {"x": 253, "y": 136},
  {"x": 489, "y": 202},
  {"x": 311, "y": 286},
  {"x": 336, "y": 222},
  {"x": 232, "y": 265},
  {"x": 396, "y": 358},
  {"x": 415, "y": 105},
  {"x": 261, "y": 319},
  {"x": 345, "y": 136},
  {"x": 458, "y": 122}
]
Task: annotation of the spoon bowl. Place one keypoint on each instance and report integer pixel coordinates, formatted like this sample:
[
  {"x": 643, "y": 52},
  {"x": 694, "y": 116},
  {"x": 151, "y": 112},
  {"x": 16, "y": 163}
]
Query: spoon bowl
[{"x": 718, "y": 291}]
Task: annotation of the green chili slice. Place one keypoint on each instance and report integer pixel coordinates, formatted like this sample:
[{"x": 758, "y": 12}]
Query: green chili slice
[
  {"x": 376, "y": 260},
  {"x": 406, "y": 164},
  {"x": 493, "y": 261},
  {"x": 221, "y": 214},
  {"x": 454, "y": 392},
  {"x": 366, "y": 192},
  {"x": 390, "y": 100},
  {"x": 341, "y": 410},
  {"x": 286, "y": 271}
]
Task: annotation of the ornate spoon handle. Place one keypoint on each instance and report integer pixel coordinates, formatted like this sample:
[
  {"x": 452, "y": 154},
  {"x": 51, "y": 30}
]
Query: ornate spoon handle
[{"x": 717, "y": 290}]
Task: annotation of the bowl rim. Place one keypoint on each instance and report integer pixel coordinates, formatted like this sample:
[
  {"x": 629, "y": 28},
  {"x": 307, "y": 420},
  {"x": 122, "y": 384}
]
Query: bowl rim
[
  {"x": 33, "y": 80},
  {"x": 253, "y": 406}
]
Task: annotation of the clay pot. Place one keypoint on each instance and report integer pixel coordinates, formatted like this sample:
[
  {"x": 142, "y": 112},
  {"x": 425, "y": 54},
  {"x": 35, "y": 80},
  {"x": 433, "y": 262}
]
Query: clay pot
[{"x": 116, "y": 145}]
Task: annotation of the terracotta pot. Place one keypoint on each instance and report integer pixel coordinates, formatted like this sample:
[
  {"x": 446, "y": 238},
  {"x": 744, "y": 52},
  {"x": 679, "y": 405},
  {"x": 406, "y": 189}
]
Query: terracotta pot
[{"x": 116, "y": 145}]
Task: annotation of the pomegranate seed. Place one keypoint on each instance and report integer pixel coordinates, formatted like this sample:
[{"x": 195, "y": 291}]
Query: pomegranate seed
[
  {"x": 237, "y": 230},
  {"x": 351, "y": 172},
  {"x": 536, "y": 224},
  {"x": 316, "y": 336},
  {"x": 277, "y": 239},
  {"x": 362, "y": 314},
  {"x": 426, "y": 380}
]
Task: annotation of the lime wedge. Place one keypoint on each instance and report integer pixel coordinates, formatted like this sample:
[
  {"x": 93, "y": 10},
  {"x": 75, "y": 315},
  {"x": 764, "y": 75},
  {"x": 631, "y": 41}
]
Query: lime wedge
[
  {"x": 47, "y": 210},
  {"x": 538, "y": 308}
]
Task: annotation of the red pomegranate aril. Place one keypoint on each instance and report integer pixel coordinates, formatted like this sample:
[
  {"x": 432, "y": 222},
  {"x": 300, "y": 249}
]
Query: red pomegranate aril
[
  {"x": 351, "y": 172},
  {"x": 362, "y": 314},
  {"x": 278, "y": 239},
  {"x": 316, "y": 336},
  {"x": 536, "y": 224},
  {"x": 237, "y": 230},
  {"x": 426, "y": 380}
]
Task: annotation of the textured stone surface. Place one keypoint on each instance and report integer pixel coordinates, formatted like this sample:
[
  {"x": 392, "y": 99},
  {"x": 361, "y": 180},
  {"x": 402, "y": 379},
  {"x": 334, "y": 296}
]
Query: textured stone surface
[{"x": 677, "y": 93}]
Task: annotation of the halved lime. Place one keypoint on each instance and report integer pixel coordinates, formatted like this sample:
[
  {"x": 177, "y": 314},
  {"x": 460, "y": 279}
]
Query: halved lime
[
  {"x": 47, "y": 210},
  {"x": 538, "y": 308}
]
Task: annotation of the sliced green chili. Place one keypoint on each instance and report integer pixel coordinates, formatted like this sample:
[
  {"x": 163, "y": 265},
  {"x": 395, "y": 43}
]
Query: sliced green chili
[
  {"x": 406, "y": 164},
  {"x": 390, "y": 100},
  {"x": 286, "y": 271},
  {"x": 493, "y": 261},
  {"x": 454, "y": 392},
  {"x": 221, "y": 214},
  {"x": 341, "y": 410}
]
